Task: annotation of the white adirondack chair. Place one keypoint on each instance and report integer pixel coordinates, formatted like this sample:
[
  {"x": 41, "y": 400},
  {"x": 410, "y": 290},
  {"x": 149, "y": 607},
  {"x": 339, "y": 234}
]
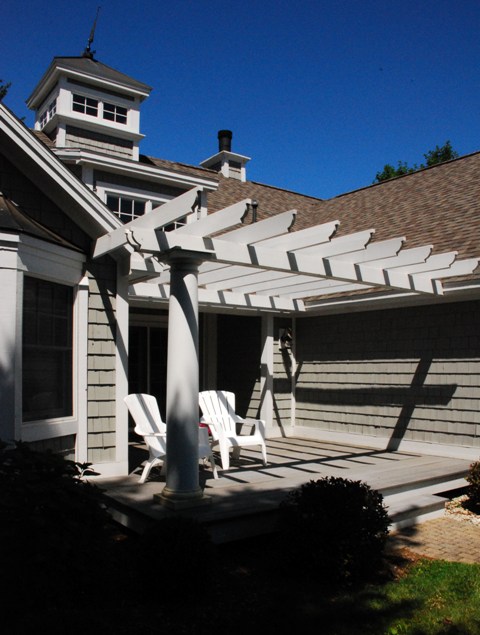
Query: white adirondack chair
[
  {"x": 149, "y": 425},
  {"x": 218, "y": 409}
]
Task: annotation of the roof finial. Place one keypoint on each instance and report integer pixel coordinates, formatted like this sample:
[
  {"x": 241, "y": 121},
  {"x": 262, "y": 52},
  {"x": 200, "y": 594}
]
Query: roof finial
[{"x": 88, "y": 51}]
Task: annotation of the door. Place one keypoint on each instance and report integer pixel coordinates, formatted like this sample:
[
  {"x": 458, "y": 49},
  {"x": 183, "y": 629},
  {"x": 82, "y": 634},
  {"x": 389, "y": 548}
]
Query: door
[{"x": 147, "y": 362}]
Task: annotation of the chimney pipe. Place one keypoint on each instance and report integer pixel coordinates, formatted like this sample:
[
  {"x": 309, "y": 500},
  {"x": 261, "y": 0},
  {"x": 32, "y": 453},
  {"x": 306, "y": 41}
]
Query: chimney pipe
[{"x": 224, "y": 140}]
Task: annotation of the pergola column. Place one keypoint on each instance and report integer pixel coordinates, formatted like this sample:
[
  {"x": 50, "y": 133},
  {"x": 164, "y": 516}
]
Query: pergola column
[{"x": 182, "y": 487}]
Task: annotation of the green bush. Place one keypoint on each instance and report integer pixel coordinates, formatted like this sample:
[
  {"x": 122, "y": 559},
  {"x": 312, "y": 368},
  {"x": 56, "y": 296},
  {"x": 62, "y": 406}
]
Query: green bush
[
  {"x": 333, "y": 530},
  {"x": 473, "y": 478}
]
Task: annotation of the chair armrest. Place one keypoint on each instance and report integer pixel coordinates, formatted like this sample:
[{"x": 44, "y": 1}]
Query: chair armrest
[
  {"x": 258, "y": 424},
  {"x": 150, "y": 434},
  {"x": 216, "y": 430}
]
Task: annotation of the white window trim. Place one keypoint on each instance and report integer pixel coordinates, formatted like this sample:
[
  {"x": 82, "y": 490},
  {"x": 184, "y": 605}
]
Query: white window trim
[
  {"x": 104, "y": 189},
  {"x": 85, "y": 94},
  {"x": 53, "y": 263}
]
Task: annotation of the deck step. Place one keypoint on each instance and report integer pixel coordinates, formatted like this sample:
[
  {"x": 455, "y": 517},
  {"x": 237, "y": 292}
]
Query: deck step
[
  {"x": 417, "y": 481},
  {"x": 421, "y": 503}
]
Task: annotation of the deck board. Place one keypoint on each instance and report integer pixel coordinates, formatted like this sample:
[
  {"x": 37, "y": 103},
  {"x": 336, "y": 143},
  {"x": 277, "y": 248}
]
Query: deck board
[{"x": 249, "y": 490}]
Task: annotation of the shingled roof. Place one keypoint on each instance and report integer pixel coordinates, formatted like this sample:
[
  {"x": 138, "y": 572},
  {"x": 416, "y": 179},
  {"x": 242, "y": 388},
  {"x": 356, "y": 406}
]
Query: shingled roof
[
  {"x": 439, "y": 205},
  {"x": 84, "y": 67},
  {"x": 13, "y": 219},
  {"x": 271, "y": 200},
  {"x": 178, "y": 168}
]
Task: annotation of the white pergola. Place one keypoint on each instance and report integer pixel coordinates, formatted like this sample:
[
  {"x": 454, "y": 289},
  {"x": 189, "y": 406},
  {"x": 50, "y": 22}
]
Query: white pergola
[{"x": 220, "y": 260}]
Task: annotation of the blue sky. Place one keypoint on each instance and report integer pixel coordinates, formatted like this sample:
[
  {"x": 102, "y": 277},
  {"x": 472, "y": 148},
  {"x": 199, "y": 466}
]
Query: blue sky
[{"x": 320, "y": 94}]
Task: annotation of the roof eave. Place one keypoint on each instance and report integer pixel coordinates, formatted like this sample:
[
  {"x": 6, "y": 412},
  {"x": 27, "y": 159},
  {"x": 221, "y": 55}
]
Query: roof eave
[{"x": 28, "y": 153}]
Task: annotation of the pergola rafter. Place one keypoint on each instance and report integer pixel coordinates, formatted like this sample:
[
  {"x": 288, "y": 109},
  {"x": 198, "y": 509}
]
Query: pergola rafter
[
  {"x": 338, "y": 266},
  {"x": 265, "y": 264}
]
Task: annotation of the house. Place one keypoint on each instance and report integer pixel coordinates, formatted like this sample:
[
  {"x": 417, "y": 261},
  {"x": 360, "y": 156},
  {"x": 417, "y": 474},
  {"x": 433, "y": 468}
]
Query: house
[{"x": 351, "y": 319}]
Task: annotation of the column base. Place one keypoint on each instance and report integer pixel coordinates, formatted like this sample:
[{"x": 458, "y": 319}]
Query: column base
[{"x": 182, "y": 500}]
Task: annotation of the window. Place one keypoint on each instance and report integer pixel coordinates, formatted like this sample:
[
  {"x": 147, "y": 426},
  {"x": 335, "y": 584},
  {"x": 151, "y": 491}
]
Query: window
[
  {"x": 92, "y": 107},
  {"x": 48, "y": 114},
  {"x": 85, "y": 105},
  {"x": 125, "y": 208},
  {"x": 114, "y": 113},
  {"x": 47, "y": 350}
]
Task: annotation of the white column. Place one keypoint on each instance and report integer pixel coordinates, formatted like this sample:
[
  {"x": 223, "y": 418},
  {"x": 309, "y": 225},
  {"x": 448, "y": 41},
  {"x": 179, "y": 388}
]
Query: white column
[
  {"x": 266, "y": 379},
  {"x": 121, "y": 366},
  {"x": 182, "y": 488}
]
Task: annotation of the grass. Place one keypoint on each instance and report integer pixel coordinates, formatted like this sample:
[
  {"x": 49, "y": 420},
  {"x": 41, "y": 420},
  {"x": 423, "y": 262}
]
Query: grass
[
  {"x": 434, "y": 597},
  {"x": 411, "y": 596}
]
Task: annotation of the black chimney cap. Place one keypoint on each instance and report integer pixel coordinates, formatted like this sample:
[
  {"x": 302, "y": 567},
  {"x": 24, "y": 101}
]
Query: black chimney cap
[{"x": 225, "y": 140}]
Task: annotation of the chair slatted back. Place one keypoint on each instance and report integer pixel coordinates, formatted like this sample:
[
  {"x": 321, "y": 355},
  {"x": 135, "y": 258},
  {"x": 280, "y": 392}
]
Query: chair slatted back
[
  {"x": 145, "y": 413},
  {"x": 219, "y": 405}
]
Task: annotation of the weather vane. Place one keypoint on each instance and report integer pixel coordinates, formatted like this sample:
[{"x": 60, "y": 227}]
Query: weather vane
[{"x": 88, "y": 50}]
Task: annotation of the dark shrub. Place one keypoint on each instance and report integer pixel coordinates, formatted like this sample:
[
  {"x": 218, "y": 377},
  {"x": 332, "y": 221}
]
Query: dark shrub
[
  {"x": 334, "y": 530},
  {"x": 175, "y": 557},
  {"x": 55, "y": 534},
  {"x": 473, "y": 478}
]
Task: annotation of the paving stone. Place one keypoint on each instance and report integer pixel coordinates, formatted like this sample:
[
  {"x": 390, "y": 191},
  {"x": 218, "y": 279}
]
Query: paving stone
[{"x": 444, "y": 538}]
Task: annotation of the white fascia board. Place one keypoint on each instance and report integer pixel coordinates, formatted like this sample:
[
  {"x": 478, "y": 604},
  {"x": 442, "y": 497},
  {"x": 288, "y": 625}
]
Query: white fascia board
[
  {"x": 43, "y": 87},
  {"x": 132, "y": 168},
  {"x": 58, "y": 173},
  {"x": 56, "y": 70},
  {"x": 108, "y": 84},
  {"x": 55, "y": 262},
  {"x": 104, "y": 127},
  {"x": 225, "y": 154}
]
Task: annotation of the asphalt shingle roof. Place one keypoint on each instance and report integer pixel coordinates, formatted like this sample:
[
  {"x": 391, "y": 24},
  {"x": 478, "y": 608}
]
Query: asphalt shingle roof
[
  {"x": 98, "y": 69},
  {"x": 439, "y": 205},
  {"x": 179, "y": 168}
]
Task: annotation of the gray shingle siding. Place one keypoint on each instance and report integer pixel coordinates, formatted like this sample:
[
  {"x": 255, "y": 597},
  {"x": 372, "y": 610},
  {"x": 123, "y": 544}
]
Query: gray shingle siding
[
  {"x": 404, "y": 373},
  {"x": 101, "y": 392}
]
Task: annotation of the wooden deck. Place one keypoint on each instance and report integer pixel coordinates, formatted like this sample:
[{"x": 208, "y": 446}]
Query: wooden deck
[{"x": 244, "y": 500}]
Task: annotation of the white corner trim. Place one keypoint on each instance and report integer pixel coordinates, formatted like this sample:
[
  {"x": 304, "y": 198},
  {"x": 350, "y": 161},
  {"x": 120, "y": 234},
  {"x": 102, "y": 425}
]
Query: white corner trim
[{"x": 80, "y": 356}]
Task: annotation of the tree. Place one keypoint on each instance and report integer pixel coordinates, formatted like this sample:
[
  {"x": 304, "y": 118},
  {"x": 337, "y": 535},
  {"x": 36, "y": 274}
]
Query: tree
[
  {"x": 3, "y": 89},
  {"x": 439, "y": 155},
  {"x": 432, "y": 157}
]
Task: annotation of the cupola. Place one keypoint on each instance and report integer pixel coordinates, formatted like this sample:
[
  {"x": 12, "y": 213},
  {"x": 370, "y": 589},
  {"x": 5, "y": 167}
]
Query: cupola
[{"x": 82, "y": 103}]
